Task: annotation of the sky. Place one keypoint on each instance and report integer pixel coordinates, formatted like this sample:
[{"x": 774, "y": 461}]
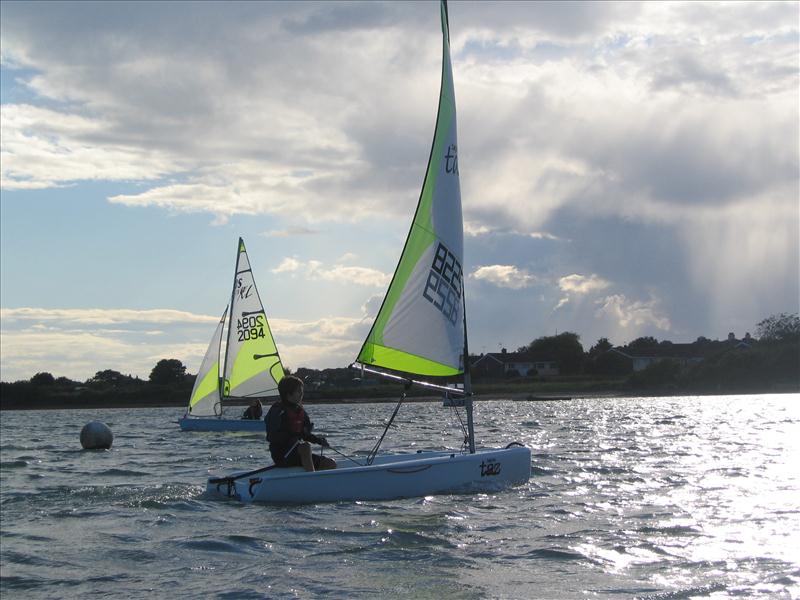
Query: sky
[{"x": 627, "y": 170}]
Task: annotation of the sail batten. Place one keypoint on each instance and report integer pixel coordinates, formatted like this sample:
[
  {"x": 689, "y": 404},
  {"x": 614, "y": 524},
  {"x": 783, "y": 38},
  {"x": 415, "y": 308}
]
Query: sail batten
[{"x": 419, "y": 327}]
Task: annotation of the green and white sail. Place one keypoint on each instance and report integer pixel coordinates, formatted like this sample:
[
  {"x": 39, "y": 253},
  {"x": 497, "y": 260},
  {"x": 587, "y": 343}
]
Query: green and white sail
[
  {"x": 204, "y": 401},
  {"x": 420, "y": 326},
  {"x": 252, "y": 364}
]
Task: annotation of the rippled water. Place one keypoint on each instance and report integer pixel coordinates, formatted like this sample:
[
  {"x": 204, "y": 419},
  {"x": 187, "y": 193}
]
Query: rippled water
[{"x": 634, "y": 498}]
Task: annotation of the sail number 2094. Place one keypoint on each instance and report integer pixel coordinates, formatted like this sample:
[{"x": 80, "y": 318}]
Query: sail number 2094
[{"x": 250, "y": 328}]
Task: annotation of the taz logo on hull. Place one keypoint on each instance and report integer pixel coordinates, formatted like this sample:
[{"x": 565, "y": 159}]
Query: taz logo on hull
[{"x": 490, "y": 467}]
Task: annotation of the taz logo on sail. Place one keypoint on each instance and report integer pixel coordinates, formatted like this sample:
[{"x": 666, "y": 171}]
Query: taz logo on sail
[
  {"x": 451, "y": 159},
  {"x": 490, "y": 467}
]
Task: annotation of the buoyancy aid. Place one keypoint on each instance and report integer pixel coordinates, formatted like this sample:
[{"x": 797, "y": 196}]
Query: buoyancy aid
[
  {"x": 295, "y": 418},
  {"x": 292, "y": 419}
]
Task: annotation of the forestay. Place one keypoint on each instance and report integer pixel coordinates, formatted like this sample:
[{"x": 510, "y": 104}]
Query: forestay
[{"x": 420, "y": 326}]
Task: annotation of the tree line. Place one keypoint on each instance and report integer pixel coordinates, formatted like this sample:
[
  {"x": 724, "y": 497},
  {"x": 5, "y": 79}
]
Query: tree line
[
  {"x": 770, "y": 360},
  {"x": 168, "y": 383}
]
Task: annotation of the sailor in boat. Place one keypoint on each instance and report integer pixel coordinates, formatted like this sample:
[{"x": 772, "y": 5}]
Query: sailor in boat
[
  {"x": 254, "y": 411},
  {"x": 289, "y": 430}
]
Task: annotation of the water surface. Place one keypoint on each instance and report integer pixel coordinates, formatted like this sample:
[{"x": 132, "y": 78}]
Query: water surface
[{"x": 634, "y": 498}]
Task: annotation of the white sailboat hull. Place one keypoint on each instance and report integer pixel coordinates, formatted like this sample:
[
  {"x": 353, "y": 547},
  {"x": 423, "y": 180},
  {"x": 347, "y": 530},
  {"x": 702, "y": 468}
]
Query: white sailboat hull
[
  {"x": 389, "y": 477},
  {"x": 221, "y": 424}
]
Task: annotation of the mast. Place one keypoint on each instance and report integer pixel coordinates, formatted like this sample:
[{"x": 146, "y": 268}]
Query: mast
[
  {"x": 224, "y": 392},
  {"x": 467, "y": 381},
  {"x": 467, "y": 374}
]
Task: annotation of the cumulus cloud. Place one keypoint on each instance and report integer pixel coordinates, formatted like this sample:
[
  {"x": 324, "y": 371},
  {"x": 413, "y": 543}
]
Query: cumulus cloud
[
  {"x": 44, "y": 148},
  {"x": 473, "y": 229},
  {"x": 252, "y": 189},
  {"x": 325, "y": 342},
  {"x": 340, "y": 328},
  {"x": 288, "y": 265},
  {"x": 348, "y": 257},
  {"x": 579, "y": 285},
  {"x": 344, "y": 274},
  {"x": 644, "y": 99},
  {"x": 647, "y": 109},
  {"x": 632, "y": 314},
  {"x": 290, "y": 232},
  {"x": 77, "y": 343},
  {"x": 66, "y": 317},
  {"x": 80, "y": 354},
  {"x": 316, "y": 270},
  {"x": 507, "y": 276},
  {"x": 222, "y": 130}
]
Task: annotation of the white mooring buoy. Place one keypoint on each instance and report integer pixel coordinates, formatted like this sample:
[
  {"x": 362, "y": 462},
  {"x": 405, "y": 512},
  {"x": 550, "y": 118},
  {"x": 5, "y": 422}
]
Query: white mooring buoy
[{"x": 96, "y": 435}]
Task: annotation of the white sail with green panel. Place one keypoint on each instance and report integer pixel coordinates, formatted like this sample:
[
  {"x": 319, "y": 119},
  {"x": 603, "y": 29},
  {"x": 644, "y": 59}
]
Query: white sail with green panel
[
  {"x": 204, "y": 401},
  {"x": 252, "y": 364},
  {"x": 420, "y": 326}
]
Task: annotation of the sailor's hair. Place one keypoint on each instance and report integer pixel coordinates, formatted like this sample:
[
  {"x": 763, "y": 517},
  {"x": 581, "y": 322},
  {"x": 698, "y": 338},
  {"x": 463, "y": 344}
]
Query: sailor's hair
[{"x": 289, "y": 385}]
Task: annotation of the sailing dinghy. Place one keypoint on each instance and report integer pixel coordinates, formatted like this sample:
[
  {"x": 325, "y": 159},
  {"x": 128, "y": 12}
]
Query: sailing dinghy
[
  {"x": 252, "y": 366},
  {"x": 420, "y": 331}
]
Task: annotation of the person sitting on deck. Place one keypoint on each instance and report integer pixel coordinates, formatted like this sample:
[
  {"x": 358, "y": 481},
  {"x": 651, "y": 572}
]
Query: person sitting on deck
[
  {"x": 254, "y": 411},
  {"x": 289, "y": 430}
]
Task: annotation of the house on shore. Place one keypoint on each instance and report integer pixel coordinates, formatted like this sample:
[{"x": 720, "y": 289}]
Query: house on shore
[
  {"x": 499, "y": 365},
  {"x": 683, "y": 354}
]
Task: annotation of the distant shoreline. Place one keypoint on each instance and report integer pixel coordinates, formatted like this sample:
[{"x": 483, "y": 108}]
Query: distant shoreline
[{"x": 522, "y": 396}]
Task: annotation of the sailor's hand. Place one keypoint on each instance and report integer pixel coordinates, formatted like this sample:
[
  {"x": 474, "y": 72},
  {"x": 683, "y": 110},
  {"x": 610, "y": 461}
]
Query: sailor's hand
[{"x": 324, "y": 442}]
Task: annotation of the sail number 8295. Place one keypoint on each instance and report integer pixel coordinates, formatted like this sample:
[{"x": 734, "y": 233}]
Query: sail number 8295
[{"x": 443, "y": 287}]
